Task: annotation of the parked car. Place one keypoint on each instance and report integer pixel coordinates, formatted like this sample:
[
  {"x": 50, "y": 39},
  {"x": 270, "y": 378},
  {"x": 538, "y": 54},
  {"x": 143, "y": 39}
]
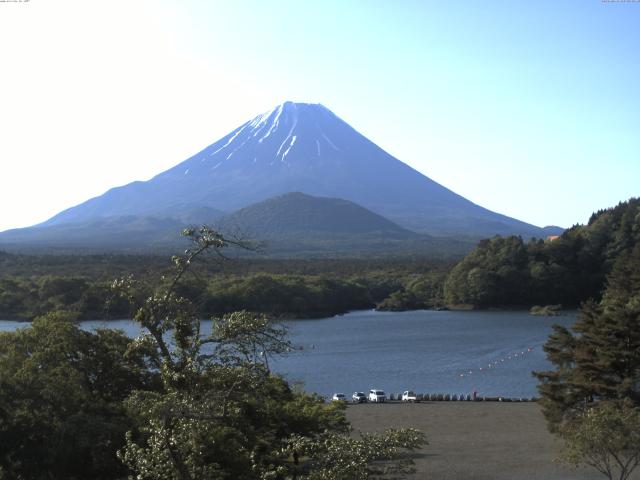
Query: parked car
[
  {"x": 339, "y": 397},
  {"x": 409, "y": 396},
  {"x": 377, "y": 396},
  {"x": 358, "y": 397}
]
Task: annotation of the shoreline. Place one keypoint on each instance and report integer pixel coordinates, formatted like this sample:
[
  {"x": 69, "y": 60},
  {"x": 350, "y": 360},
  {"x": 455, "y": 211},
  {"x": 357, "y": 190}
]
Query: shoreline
[{"x": 317, "y": 316}]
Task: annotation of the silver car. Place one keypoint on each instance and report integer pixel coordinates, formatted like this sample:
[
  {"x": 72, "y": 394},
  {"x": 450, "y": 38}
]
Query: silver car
[
  {"x": 359, "y": 397},
  {"x": 339, "y": 397}
]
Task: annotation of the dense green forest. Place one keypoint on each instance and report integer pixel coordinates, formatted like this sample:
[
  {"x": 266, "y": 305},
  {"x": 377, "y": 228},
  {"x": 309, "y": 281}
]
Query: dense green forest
[
  {"x": 172, "y": 404},
  {"x": 33, "y": 285},
  {"x": 500, "y": 272},
  {"x": 567, "y": 270},
  {"x": 590, "y": 396}
]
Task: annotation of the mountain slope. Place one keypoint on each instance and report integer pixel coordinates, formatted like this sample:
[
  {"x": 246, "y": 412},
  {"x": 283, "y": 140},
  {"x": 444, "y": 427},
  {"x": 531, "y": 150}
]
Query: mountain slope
[
  {"x": 127, "y": 233},
  {"x": 134, "y": 233},
  {"x": 293, "y": 224},
  {"x": 304, "y": 148}
]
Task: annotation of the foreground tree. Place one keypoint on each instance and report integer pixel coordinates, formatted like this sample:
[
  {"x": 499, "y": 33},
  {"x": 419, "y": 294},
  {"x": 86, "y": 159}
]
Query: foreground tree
[
  {"x": 605, "y": 437},
  {"x": 600, "y": 358},
  {"x": 220, "y": 413},
  {"x": 333, "y": 456},
  {"x": 61, "y": 399},
  {"x": 592, "y": 398}
]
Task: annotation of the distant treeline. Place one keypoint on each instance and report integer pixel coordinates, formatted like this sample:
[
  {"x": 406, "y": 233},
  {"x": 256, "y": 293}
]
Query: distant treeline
[
  {"x": 500, "y": 272},
  {"x": 32, "y": 286},
  {"x": 567, "y": 270}
]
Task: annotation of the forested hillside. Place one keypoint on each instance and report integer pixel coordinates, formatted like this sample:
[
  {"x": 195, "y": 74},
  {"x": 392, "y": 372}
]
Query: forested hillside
[
  {"x": 566, "y": 270},
  {"x": 81, "y": 285}
]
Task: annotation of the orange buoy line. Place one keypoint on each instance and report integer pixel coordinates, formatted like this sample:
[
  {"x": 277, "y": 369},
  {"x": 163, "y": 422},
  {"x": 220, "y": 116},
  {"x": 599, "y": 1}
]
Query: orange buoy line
[{"x": 495, "y": 363}]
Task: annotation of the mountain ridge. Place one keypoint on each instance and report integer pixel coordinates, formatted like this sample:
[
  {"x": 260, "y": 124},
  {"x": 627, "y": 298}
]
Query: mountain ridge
[
  {"x": 307, "y": 148},
  {"x": 295, "y": 147}
]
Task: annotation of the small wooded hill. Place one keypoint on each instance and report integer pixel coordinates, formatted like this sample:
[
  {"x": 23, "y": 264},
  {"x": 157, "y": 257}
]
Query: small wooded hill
[
  {"x": 568, "y": 270},
  {"x": 301, "y": 215},
  {"x": 296, "y": 224}
]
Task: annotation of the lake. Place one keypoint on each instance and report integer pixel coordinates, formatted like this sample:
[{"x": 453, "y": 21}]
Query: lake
[{"x": 426, "y": 351}]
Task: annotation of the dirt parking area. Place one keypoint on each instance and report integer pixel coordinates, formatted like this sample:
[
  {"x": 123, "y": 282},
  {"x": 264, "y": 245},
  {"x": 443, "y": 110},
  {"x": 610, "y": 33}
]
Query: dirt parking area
[{"x": 475, "y": 440}]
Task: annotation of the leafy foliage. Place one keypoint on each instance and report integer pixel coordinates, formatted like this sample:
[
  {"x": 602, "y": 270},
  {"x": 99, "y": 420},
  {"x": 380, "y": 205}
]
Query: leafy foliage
[
  {"x": 221, "y": 413},
  {"x": 171, "y": 404},
  {"x": 61, "y": 394},
  {"x": 419, "y": 291},
  {"x": 292, "y": 288},
  {"x": 334, "y": 456},
  {"x": 605, "y": 437},
  {"x": 286, "y": 295},
  {"x": 568, "y": 270}
]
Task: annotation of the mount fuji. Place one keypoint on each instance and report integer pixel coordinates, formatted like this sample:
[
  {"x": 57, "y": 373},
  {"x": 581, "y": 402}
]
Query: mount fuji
[{"x": 296, "y": 147}]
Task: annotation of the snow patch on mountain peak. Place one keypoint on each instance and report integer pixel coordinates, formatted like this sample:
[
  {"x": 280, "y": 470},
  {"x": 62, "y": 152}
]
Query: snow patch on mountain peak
[
  {"x": 330, "y": 142},
  {"x": 293, "y": 140},
  {"x": 274, "y": 124},
  {"x": 287, "y": 125},
  {"x": 233, "y": 137},
  {"x": 293, "y": 127}
]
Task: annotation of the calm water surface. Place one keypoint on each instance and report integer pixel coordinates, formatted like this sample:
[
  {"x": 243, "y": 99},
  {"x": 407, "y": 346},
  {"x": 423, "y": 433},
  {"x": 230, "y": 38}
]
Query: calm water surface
[{"x": 427, "y": 351}]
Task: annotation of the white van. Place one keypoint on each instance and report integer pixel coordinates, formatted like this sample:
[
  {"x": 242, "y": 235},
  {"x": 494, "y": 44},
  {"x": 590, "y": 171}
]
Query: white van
[{"x": 377, "y": 396}]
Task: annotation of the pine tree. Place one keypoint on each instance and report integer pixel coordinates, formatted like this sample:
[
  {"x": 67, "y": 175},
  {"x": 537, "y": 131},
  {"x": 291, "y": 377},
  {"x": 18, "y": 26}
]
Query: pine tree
[{"x": 599, "y": 358}]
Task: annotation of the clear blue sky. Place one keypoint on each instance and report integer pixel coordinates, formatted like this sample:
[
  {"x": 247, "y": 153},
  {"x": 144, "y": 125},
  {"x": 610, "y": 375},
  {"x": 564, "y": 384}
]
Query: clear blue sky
[{"x": 531, "y": 109}]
